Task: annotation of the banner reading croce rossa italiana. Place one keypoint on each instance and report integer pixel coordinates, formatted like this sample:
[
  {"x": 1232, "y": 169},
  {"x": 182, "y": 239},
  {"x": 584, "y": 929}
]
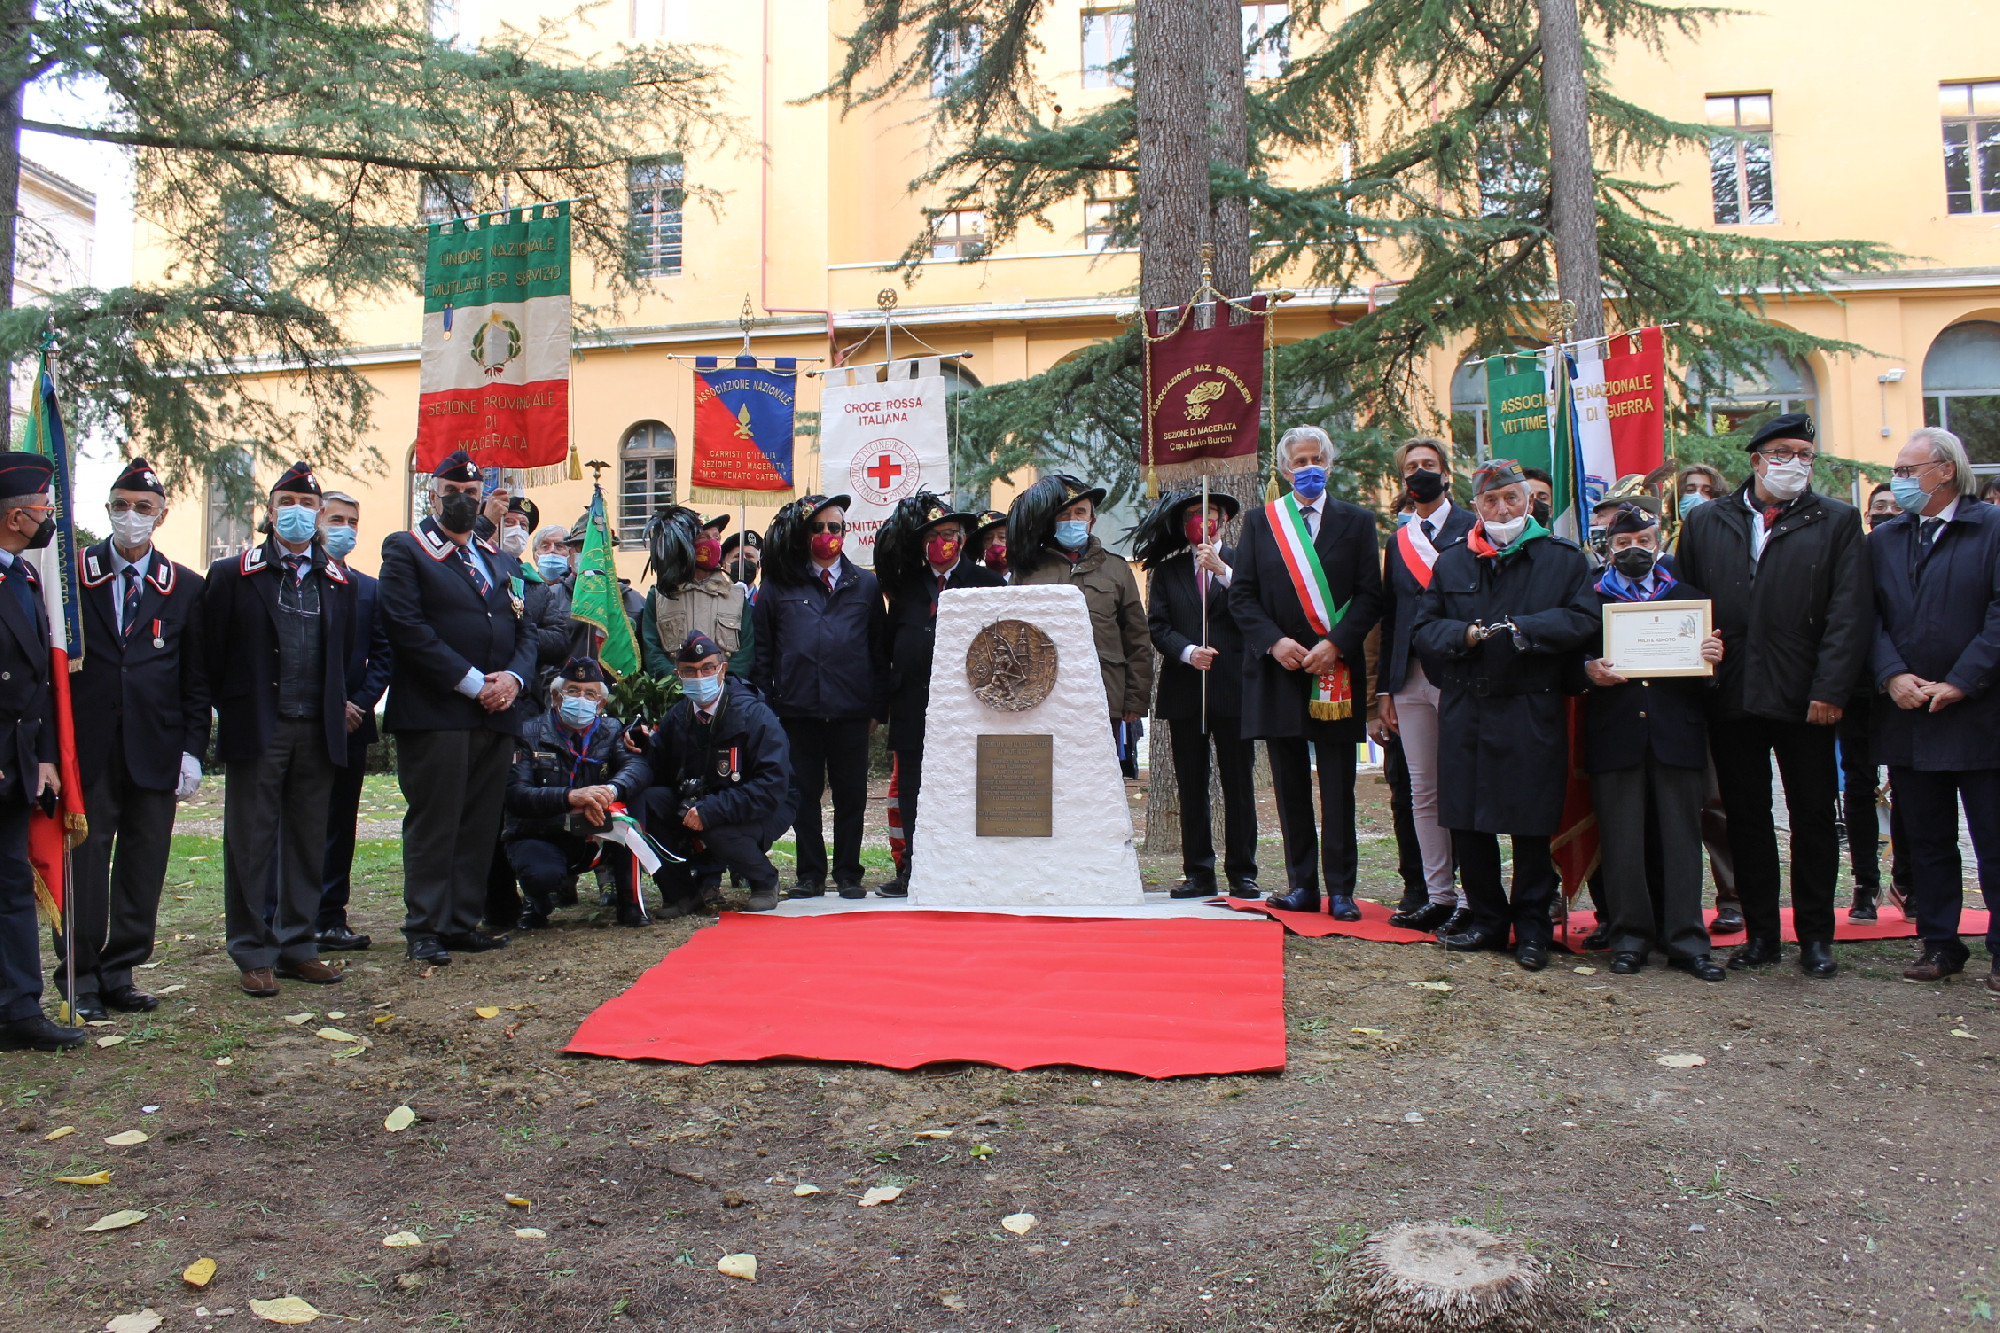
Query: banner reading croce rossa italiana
[
  {"x": 880, "y": 441},
  {"x": 496, "y": 344}
]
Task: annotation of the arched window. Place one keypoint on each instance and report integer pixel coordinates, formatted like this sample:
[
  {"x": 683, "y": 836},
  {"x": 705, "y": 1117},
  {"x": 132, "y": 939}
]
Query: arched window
[
  {"x": 1962, "y": 386},
  {"x": 645, "y": 478},
  {"x": 1468, "y": 412},
  {"x": 229, "y": 503},
  {"x": 1778, "y": 384}
]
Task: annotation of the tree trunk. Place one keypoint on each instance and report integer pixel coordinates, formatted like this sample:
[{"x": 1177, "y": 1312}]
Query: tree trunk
[
  {"x": 1228, "y": 146},
  {"x": 13, "y": 84},
  {"x": 1572, "y": 172}
]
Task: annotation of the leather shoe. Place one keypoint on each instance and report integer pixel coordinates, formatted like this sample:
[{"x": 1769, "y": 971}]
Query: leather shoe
[
  {"x": 259, "y": 982},
  {"x": 1597, "y": 940},
  {"x": 530, "y": 920},
  {"x": 1756, "y": 953},
  {"x": 1298, "y": 900},
  {"x": 89, "y": 1009},
  {"x": 1816, "y": 959},
  {"x": 807, "y": 888},
  {"x": 1457, "y": 923},
  {"x": 896, "y": 886},
  {"x": 1864, "y": 905},
  {"x": 1344, "y": 909},
  {"x": 850, "y": 888},
  {"x": 1935, "y": 963},
  {"x": 1532, "y": 957},
  {"x": 1728, "y": 918},
  {"x": 1426, "y": 918},
  {"x": 428, "y": 951},
  {"x": 1245, "y": 888},
  {"x": 1899, "y": 898},
  {"x": 312, "y": 970},
  {"x": 1415, "y": 898},
  {"x": 1194, "y": 888},
  {"x": 1471, "y": 941},
  {"x": 473, "y": 941},
  {"x": 129, "y": 999},
  {"x": 1701, "y": 967},
  {"x": 37, "y": 1033},
  {"x": 340, "y": 938},
  {"x": 766, "y": 901},
  {"x": 1627, "y": 963}
]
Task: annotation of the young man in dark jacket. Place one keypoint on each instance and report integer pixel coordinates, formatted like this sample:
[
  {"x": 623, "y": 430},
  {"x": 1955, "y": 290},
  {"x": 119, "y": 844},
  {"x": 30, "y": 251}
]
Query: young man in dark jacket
[
  {"x": 368, "y": 660},
  {"x": 722, "y": 771},
  {"x": 571, "y": 767},
  {"x": 1788, "y": 572},
  {"x": 822, "y": 664}
]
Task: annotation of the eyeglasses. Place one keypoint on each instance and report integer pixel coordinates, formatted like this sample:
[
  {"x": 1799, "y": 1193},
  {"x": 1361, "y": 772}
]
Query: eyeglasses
[
  {"x": 701, "y": 670},
  {"x": 145, "y": 507},
  {"x": 1789, "y": 455},
  {"x": 835, "y": 528},
  {"x": 1907, "y": 472}
]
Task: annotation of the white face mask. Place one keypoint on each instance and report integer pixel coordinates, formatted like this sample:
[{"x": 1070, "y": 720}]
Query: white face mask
[
  {"x": 514, "y": 541},
  {"x": 132, "y": 528},
  {"x": 1787, "y": 480},
  {"x": 1503, "y": 534}
]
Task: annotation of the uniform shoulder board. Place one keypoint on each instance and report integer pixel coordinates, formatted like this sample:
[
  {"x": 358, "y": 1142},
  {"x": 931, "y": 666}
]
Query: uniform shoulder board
[
  {"x": 491, "y": 548},
  {"x": 96, "y": 568},
  {"x": 253, "y": 560},
  {"x": 433, "y": 541}
]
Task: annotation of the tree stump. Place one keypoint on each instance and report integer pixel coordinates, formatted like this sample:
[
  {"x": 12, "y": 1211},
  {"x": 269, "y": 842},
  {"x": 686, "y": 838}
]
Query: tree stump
[{"x": 1432, "y": 1277}]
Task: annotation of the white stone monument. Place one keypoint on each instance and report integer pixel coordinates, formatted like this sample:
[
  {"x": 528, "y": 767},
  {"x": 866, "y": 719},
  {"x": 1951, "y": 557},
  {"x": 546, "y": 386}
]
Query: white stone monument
[{"x": 1087, "y": 858}]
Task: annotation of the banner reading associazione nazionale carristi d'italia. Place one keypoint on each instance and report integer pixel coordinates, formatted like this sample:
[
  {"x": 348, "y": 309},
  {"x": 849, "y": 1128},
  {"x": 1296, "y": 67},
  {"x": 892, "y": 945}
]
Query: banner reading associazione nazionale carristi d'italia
[
  {"x": 744, "y": 419},
  {"x": 496, "y": 345}
]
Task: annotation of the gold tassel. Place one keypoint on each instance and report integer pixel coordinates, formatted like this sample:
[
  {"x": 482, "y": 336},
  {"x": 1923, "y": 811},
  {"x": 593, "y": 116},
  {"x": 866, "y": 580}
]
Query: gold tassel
[
  {"x": 575, "y": 463},
  {"x": 1271, "y": 488},
  {"x": 1152, "y": 481},
  {"x": 1331, "y": 710}
]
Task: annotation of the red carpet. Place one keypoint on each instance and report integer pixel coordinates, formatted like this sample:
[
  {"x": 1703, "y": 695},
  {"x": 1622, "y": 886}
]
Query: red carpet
[
  {"x": 1373, "y": 925},
  {"x": 902, "y": 989}
]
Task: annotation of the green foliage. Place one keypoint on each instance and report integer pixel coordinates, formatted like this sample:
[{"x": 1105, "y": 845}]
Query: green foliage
[
  {"x": 284, "y": 146},
  {"x": 640, "y": 699}
]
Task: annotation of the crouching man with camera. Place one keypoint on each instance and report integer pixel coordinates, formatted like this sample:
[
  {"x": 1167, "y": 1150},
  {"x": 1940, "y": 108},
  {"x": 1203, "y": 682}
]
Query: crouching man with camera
[{"x": 723, "y": 771}]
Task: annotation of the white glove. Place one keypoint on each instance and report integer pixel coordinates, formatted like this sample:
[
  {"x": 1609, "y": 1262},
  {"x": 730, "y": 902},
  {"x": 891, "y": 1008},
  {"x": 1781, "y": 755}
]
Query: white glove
[{"x": 190, "y": 782}]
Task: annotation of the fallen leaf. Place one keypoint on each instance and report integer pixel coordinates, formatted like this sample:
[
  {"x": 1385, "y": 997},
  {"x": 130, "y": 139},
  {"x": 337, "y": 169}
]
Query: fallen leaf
[
  {"x": 402, "y": 1240},
  {"x": 881, "y": 1194},
  {"x": 487, "y": 1011},
  {"x": 983, "y": 1150},
  {"x": 400, "y": 1119},
  {"x": 804, "y": 1190},
  {"x": 932, "y": 1134},
  {"x": 145, "y": 1321},
  {"x": 335, "y": 1014},
  {"x": 738, "y": 1265},
  {"x": 1019, "y": 1223},
  {"x": 225, "y": 1060},
  {"x": 346, "y": 1051},
  {"x": 1431, "y": 985},
  {"x": 383, "y": 1018},
  {"x": 111, "y": 1041},
  {"x": 169, "y": 990},
  {"x": 101, "y": 1178},
  {"x": 518, "y": 1202},
  {"x": 284, "y": 1310},
  {"x": 62, "y": 1133},
  {"x": 1681, "y": 1061},
  {"x": 1961, "y": 1032},
  {"x": 124, "y": 1217},
  {"x": 128, "y": 1138},
  {"x": 530, "y": 1233},
  {"x": 296, "y": 1019},
  {"x": 199, "y": 1273},
  {"x": 101, "y": 1023},
  {"x": 335, "y": 1034},
  {"x": 1584, "y": 971}
]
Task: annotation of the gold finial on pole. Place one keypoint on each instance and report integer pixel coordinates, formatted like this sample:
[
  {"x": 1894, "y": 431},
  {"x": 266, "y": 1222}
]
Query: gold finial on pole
[
  {"x": 597, "y": 466},
  {"x": 885, "y": 300},
  {"x": 1207, "y": 264},
  {"x": 1562, "y": 319},
  {"x": 746, "y": 321}
]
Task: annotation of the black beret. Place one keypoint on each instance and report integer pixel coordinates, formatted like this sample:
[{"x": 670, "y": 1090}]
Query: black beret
[
  {"x": 1630, "y": 518},
  {"x": 747, "y": 538},
  {"x": 457, "y": 466},
  {"x": 521, "y": 504},
  {"x": 698, "y": 647},
  {"x": 583, "y": 669},
  {"x": 139, "y": 476},
  {"x": 1789, "y": 426},
  {"x": 299, "y": 479},
  {"x": 24, "y": 473},
  {"x": 1498, "y": 472}
]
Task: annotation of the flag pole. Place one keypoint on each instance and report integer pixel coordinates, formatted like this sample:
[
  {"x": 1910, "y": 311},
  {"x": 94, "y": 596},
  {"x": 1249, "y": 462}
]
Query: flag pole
[
  {"x": 1201, "y": 588},
  {"x": 69, "y": 939}
]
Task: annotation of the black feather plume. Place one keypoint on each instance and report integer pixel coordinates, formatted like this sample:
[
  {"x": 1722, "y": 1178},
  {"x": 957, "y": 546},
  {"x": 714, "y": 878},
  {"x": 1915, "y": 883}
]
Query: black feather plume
[
  {"x": 670, "y": 538},
  {"x": 1031, "y": 522},
  {"x": 899, "y": 548},
  {"x": 1161, "y": 532},
  {"x": 787, "y": 544}
]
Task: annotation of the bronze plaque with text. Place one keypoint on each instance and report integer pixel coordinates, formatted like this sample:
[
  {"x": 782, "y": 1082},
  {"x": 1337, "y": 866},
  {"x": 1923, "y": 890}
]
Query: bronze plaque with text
[{"x": 1015, "y": 787}]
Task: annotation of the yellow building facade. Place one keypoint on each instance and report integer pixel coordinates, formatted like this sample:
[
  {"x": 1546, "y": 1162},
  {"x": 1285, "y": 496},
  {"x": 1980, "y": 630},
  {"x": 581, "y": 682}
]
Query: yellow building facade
[{"x": 1874, "y": 126}]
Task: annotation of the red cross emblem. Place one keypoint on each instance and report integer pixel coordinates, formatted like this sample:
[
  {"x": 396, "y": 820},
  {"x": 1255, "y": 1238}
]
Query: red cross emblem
[{"x": 885, "y": 472}]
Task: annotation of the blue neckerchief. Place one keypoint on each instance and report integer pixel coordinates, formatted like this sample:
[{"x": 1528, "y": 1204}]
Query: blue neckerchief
[
  {"x": 579, "y": 748},
  {"x": 1619, "y": 588}
]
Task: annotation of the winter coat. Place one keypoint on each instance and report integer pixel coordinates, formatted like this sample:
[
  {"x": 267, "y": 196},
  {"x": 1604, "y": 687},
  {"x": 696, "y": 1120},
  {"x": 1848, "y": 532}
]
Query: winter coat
[
  {"x": 1117, "y": 619},
  {"x": 442, "y": 628},
  {"x": 1941, "y": 620},
  {"x": 545, "y": 773},
  {"x": 151, "y": 700},
  {"x": 1173, "y": 614},
  {"x": 742, "y": 757},
  {"x": 239, "y": 626},
  {"x": 823, "y": 654},
  {"x": 1665, "y": 717}
]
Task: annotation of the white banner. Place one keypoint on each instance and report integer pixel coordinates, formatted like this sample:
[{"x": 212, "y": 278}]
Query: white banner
[
  {"x": 883, "y": 441},
  {"x": 1593, "y": 428}
]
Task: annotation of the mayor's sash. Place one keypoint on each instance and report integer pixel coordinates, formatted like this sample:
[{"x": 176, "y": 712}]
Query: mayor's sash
[{"x": 1332, "y": 691}]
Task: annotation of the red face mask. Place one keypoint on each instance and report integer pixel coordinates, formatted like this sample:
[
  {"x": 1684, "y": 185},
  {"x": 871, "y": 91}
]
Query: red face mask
[
  {"x": 941, "y": 549},
  {"x": 707, "y": 553},
  {"x": 1194, "y": 529},
  {"x": 996, "y": 557},
  {"x": 826, "y": 545}
]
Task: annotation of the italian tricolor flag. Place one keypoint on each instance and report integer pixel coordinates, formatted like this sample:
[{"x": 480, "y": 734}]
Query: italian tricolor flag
[{"x": 497, "y": 339}]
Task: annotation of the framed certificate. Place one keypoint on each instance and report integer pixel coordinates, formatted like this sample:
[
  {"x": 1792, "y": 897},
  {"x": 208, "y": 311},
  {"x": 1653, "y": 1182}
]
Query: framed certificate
[{"x": 1656, "y": 638}]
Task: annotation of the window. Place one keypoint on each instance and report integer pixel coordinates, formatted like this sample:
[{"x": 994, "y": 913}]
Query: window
[
  {"x": 649, "y": 20},
  {"x": 1100, "y": 212},
  {"x": 452, "y": 22},
  {"x": 1739, "y": 165},
  {"x": 243, "y": 240},
  {"x": 1107, "y": 48},
  {"x": 231, "y": 488},
  {"x": 1267, "y": 40},
  {"x": 958, "y": 234},
  {"x": 1962, "y": 386},
  {"x": 1512, "y": 181},
  {"x": 657, "y": 193},
  {"x": 1971, "y": 146},
  {"x": 1468, "y": 411},
  {"x": 444, "y": 197},
  {"x": 1730, "y": 402},
  {"x": 953, "y": 56},
  {"x": 645, "y": 478}
]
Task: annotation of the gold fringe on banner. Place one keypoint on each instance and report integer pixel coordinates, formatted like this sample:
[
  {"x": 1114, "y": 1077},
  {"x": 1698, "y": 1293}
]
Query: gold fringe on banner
[{"x": 710, "y": 496}]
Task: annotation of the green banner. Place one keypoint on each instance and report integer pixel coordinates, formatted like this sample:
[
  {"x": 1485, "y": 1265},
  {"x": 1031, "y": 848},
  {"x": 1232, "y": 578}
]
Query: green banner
[
  {"x": 597, "y": 599},
  {"x": 1517, "y": 404},
  {"x": 513, "y": 255}
]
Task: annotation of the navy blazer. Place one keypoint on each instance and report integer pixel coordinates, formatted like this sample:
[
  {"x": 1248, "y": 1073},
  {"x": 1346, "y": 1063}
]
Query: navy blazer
[
  {"x": 1173, "y": 616},
  {"x": 1667, "y": 717},
  {"x": 27, "y": 737},
  {"x": 441, "y": 628},
  {"x": 823, "y": 654},
  {"x": 146, "y": 689},
  {"x": 1940, "y": 619},
  {"x": 1402, "y": 592},
  {"x": 239, "y": 610},
  {"x": 370, "y": 660}
]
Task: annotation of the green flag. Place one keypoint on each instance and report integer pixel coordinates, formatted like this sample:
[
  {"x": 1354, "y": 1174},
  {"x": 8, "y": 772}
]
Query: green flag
[
  {"x": 1517, "y": 403},
  {"x": 598, "y": 600}
]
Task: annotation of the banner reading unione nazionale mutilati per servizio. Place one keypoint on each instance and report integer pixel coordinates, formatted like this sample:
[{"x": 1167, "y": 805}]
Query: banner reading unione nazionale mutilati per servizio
[{"x": 496, "y": 343}]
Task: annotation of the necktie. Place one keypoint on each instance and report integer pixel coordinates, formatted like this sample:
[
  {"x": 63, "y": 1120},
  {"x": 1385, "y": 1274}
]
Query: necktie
[
  {"x": 1927, "y": 532},
  {"x": 828, "y": 577},
  {"x": 1430, "y": 529},
  {"x": 479, "y": 580},
  {"x": 128, "y": 613},
  {"x": 296, "y": 564},
  {"x": 1312, "y": 522},
  {"x": 1771, "y": 513}
]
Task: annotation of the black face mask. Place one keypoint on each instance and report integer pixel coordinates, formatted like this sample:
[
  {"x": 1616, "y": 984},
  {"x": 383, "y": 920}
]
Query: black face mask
[
  {"x": 1634, "y": 562},
  {"x": 1424, "y": 486},
  {"x": 1540, "y": 509},
  {"x": 458, "y": 511},
  {"x": 44, "y": 534}
]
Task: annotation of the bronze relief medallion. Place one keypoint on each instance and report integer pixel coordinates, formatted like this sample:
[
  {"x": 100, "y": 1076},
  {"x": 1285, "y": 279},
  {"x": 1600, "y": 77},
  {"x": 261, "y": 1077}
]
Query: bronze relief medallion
[{"x": 1011, "y": 665}]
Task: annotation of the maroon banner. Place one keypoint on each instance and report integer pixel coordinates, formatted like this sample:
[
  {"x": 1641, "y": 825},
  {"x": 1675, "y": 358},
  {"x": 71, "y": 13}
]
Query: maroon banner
[{"x": 1204, "y": 387}]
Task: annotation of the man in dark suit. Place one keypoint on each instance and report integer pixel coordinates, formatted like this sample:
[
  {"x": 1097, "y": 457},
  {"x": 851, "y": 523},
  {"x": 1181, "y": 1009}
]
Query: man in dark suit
[
  {"x": 1937, "y": 655},
  {"x": 1201, "y": 655},
  {"x": 141, "y": 709},
  {"x": 1306, "y": 589},
  {"x": 463, "y": 651},
  {"x": 913, "y": 604},
  {"x": 277, "y": 628},
  {"x": 27, "y": 750},
  {"x": 367, "y": 677}
]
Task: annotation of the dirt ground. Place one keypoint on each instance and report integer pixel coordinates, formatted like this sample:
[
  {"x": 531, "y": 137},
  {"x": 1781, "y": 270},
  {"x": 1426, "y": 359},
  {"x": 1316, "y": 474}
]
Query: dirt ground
[{"x": 1824, "y": 1169}]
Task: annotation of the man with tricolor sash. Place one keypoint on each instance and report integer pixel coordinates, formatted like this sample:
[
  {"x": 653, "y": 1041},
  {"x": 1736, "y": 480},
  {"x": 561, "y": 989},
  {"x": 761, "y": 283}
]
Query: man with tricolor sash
[
  {"x": 1306, "y": 588},
  {"x": 1501, "y": 619}
]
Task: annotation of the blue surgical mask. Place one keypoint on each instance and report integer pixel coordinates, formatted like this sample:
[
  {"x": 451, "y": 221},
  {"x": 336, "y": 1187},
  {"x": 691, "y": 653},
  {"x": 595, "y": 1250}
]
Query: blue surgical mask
[
  {"x": 1405, "y": 517},
  {"x": 1909, "y": 494},
  {"x": 553, "y": 568},
  {"x": 1072, "y": 534},
  {"x": 578, "y": 711},
  {"x": 1691, "y": 501},
  {"x": 703, "y": 690},
  {"x": 1309, "y": 483},
  {"x": 339, "y": 541},
  {"x": 295, "y": 523}
]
